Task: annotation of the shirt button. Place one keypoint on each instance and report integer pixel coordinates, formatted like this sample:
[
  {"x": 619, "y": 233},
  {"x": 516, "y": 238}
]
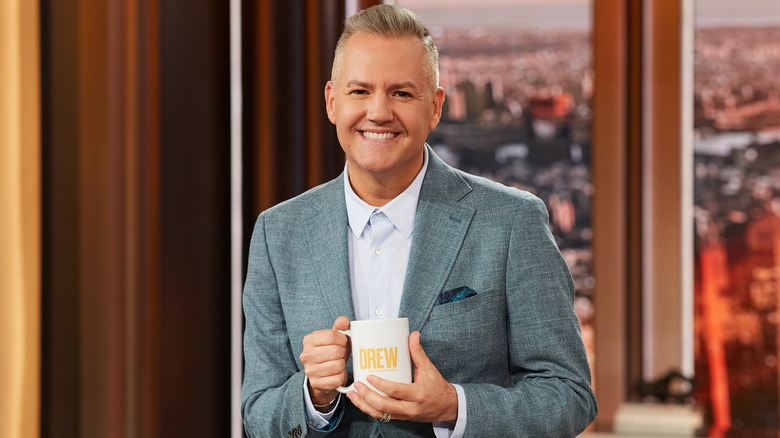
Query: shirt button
[
  {"x": 378, "y": 251},
  {"x": 379, "y": 311}
]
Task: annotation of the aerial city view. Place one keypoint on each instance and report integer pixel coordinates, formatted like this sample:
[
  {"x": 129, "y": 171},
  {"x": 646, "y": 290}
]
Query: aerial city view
[{"x": 737, "y": 225}]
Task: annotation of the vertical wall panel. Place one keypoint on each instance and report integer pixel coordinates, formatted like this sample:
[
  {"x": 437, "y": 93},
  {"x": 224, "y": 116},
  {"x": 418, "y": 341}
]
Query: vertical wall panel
[
  {"x": 291, "y": 145},
  {"x": 101, "y": 224},
  {"x": 60, "y": 397},
  {"x": 610, "y": 199},
  {"x": 195, "y": 213},
  {"x": 663, "y": 192},
  {"x": 20, "y": 219},
  {"x": 135, "y": 212},
  {"x": 100, "y": 216}
]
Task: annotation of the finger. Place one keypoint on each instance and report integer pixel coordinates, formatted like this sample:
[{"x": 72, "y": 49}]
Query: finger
[
  {"x": 327, "y": 368},
  {"x": 341, "y": 323},
  {"x": 316, "y": 362},
  {"x": 327, "y": 376},
  {"x": 323, "y": 353},
  {"x": 324, "y": 360},
  {"x": 325, "y": 337},
  {"x": 327, "y": 383},
  {"x": 361, "y": 400},
  {"x": 399, "y": 391}
]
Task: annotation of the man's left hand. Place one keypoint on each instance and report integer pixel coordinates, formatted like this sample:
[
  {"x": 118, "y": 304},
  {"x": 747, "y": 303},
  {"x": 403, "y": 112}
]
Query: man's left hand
[{"x": 429, "y": 399}]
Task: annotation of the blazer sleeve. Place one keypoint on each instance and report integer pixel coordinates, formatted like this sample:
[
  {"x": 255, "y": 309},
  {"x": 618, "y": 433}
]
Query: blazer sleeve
[
  {"x": 272, "y": 393},
  {"x": 550, "y": 393}
]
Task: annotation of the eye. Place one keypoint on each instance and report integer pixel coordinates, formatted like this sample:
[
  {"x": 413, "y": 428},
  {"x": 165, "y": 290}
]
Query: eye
[
  {"x": 358, "y": 92},
  {"x": 403, "y": 94}
]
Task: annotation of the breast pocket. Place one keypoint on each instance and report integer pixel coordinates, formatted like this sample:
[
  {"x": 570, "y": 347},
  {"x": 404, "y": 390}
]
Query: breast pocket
[
  {"x": 461, "y": 306},
  {"x": 467, "y": 339}
]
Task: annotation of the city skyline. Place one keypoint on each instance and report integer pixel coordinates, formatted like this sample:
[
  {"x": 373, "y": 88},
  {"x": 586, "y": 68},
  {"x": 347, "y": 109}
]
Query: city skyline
[{"x": 576, "y": 14}]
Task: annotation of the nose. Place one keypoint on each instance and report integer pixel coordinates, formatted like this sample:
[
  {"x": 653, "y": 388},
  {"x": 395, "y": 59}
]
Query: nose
[{"x": 379, "y": 109}]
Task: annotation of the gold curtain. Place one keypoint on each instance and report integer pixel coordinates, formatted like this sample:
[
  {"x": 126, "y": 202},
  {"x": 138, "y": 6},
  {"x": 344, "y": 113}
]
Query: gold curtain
[{"x": 19, "y": 219}]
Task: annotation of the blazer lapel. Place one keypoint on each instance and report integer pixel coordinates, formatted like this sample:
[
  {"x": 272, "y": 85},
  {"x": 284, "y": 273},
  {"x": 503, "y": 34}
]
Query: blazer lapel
[
  {"x": 439, "y": 230},
  {"x": 326, "y": 236}
]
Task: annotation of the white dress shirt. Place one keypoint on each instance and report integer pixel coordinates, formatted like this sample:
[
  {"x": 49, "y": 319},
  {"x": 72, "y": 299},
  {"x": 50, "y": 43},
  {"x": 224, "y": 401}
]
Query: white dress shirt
[{"x": 379, "y": 242}]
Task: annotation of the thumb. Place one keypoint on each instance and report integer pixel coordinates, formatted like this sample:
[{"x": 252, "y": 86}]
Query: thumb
[
  {"x": 341, "y": 323},
  {"x": 419, "y": 357}
]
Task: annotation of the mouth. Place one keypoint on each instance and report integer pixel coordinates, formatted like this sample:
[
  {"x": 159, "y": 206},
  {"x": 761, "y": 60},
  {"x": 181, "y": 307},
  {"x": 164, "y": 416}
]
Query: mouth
[{"x": 378, "y": 135}]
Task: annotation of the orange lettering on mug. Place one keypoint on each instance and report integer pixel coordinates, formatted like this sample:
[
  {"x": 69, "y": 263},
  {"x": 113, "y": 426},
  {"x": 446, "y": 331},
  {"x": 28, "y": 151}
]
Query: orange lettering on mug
[
  {"x": 376, "y": 358},
  {"x": 392, "y": 357},
  {"x": 379, "y": 357}
]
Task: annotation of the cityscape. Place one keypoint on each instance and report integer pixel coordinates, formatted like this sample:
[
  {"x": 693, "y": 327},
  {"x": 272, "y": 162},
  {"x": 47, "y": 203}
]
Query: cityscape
[{"x": 737, "y": 225}]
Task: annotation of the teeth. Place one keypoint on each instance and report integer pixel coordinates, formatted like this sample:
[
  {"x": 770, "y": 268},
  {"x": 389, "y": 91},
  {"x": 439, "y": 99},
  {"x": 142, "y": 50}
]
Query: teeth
[{"x": 378, "y": 136}]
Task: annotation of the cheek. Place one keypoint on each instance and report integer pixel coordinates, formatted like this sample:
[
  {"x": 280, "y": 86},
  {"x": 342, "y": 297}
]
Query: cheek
[{"x": 348, "y": 113}]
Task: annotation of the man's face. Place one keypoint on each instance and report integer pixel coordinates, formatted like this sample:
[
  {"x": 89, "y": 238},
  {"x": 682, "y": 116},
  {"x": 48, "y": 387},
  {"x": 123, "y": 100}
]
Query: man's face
[{"x": 383, "y": 107}]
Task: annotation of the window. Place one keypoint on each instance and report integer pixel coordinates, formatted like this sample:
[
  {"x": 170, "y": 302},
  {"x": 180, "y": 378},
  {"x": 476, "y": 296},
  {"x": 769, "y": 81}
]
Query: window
[{"x": 737, "y": 212}]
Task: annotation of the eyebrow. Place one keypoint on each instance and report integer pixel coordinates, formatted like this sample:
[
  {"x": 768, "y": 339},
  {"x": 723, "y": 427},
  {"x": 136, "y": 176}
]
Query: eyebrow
[
  {"x": 411, "y": 85},
  {"x": 359, "y": 84},
  {"x": 392, "y": 87}
]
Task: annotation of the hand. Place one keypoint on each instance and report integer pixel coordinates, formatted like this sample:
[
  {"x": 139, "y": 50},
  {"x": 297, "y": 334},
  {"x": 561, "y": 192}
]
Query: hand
[
  {"x": 324, "y": 358},
  {"x": 429, "y": 399}
]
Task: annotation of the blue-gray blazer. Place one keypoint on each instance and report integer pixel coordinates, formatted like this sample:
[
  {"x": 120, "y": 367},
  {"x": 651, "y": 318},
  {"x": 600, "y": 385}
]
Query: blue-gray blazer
[{"x": 515, "y": 346}]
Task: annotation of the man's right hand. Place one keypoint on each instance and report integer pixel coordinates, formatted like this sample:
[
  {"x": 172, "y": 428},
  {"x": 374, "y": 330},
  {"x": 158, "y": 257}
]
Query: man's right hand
[{"x": 324, "y": 358}]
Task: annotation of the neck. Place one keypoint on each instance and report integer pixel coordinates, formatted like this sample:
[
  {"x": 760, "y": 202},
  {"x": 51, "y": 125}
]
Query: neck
[
  {"x": 379, "y": 189},
  {"x": 376, "y": 192}
]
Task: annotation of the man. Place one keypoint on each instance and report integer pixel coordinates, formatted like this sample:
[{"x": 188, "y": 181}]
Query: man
[{"x": 496, "y": 345}]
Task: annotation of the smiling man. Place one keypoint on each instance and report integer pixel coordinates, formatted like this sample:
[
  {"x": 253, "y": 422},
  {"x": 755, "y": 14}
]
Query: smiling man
[
  {"x": 383, "y": 101},
  {"x": 496, "y": 345}
]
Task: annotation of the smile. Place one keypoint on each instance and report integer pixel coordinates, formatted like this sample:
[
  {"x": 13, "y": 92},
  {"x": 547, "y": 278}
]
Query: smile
[{"x": 378, "y": 135}]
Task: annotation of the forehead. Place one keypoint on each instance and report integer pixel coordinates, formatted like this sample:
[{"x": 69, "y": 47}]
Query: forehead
[{"x": 372, "y": 58}]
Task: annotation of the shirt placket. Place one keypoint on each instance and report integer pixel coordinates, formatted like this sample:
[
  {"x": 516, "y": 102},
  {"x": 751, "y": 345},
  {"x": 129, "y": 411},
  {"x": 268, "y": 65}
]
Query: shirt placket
[{"x": 379, "y": 267}]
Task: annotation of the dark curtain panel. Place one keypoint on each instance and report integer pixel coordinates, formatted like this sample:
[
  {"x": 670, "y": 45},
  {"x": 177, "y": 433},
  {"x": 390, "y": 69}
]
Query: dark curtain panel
[
  {"x": 100, "y": 224},
  {"x": 136, "y": 235},
  {"x": 194, "y": 218},
  {"x": 290, "y": 144}
]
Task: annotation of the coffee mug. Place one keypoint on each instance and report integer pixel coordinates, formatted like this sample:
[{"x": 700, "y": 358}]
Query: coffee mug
[{"x": 379, "y": 347}]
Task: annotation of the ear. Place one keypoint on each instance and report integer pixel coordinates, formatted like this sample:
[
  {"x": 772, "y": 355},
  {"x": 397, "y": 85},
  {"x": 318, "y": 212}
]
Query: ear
[
  {"x": 329, "y": 105},
  {"x": 438, "y": 103}
]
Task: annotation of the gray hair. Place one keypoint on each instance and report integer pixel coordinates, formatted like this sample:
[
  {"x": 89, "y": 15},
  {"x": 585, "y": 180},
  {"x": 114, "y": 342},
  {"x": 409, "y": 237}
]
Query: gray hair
[{"x": 390, "y": 21}]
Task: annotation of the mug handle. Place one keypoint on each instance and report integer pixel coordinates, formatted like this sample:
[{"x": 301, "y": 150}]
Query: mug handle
[
  {"x": 351, "y": 387},
  {"x": 344, "y": 390}
]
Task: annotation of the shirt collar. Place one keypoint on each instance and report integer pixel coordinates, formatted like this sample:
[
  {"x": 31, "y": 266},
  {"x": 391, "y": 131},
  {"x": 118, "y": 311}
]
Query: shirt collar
[{"x": 400, "y": 211}]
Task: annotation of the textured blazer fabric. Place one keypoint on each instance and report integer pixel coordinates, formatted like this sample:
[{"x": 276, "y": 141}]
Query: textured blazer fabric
[{"x": 511, "y": 339}]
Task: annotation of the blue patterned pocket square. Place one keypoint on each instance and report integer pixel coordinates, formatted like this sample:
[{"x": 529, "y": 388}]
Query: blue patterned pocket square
[{"x": 455, "y": 295}]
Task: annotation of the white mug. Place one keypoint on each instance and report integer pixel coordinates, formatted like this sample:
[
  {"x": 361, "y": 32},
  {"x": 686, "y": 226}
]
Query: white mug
[{"x": 379, "y": 347}]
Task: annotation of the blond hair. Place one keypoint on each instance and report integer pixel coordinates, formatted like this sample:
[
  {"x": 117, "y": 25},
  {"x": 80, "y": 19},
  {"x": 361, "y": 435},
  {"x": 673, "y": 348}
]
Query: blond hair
[{"x": 390, "y": 21}]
